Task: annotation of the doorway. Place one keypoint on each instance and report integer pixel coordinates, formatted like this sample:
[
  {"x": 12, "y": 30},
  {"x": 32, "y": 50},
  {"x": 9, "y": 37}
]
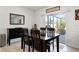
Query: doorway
[{"x": 57, "y": 21}]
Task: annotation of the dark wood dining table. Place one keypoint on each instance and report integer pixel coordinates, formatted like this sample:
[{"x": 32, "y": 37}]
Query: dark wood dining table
[{"x": 45, "y": 40}]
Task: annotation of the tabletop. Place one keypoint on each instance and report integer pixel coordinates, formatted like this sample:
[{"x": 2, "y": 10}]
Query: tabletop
[{"x": 49, "y": 37}]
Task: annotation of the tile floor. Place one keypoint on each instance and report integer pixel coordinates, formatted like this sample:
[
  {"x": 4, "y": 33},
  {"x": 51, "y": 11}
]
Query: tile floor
[{"x": 16, "y": 47}]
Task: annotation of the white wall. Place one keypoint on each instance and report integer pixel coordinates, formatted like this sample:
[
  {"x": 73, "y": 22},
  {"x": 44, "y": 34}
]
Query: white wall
[
  {"x": 72, "y": 33},
  {"x": 39, "y": 19},
  {"x": 72, "y": 25},
  {"x": 5, "y": 21}
]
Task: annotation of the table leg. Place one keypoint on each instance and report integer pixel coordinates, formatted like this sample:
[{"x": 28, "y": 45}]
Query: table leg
[
  {"x": 57, "y": 44},
  {"x": 28, "y": 44},
  {"x": 44, "y": 46},
  {"x": 22, "y": 42},
  {"x": 24, "y": 47},
  {"x": 9, "y": 42},
  {"x": 32, "y": 46}
]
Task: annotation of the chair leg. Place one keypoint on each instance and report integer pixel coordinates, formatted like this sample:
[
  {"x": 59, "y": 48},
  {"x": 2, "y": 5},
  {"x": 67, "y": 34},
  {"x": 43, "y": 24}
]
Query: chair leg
[
  {"x": 28, "y": 48},
  {"x": 53, "y": 44},
  {"x": 32, "y": 46},
  {"x": 24, "y": 47},
  {"x": 33, "y": 49},
  {"x": 49, "y": 49}
]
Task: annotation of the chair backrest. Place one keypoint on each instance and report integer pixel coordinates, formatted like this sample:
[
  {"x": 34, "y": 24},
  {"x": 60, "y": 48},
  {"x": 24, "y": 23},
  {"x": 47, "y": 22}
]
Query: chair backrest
[
  {"x": 50, "y": 31},
  {"x": 25, "y": 34},
  {"x": 42, "y": 28},
  {"x": 36, "y": 39},
  {"x": 42, "y": 31},
  {"x": 35, "y": 33}
]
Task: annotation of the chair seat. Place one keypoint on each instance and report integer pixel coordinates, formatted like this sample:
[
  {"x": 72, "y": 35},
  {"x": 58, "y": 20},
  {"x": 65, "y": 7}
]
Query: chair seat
[
  {"x": 28, "y": 42},
  {"x": 42, "y": 34}
]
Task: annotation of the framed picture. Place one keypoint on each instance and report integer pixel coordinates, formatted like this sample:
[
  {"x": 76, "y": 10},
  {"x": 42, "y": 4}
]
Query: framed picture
[
  {"x": 53, "y": 9},
  {"x": 16, "y": 19},
  {"x": 77, "y": 14}
]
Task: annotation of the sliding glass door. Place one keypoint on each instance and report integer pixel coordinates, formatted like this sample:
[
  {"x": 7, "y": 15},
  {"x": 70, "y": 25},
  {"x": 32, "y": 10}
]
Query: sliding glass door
[{"x": 57, "y": 21}]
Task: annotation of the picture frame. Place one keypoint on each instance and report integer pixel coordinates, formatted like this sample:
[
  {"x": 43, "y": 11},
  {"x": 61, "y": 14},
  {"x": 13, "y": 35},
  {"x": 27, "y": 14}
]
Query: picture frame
[
  {"x": 17, "y": 19},
  {"x": 77, "y": 14},
  {"x": 53, "y": 9}
]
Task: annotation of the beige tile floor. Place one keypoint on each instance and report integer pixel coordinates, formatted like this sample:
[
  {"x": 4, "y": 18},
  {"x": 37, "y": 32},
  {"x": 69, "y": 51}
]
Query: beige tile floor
[{"x": 16, "y": 47}]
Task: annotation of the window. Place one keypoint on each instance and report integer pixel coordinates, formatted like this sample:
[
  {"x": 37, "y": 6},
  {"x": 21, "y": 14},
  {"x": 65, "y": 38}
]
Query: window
[{"x": 55, "y": 21}]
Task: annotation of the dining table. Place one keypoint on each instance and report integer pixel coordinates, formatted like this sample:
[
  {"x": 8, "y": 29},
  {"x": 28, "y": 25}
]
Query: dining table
[{"x": 45, "y": 39}]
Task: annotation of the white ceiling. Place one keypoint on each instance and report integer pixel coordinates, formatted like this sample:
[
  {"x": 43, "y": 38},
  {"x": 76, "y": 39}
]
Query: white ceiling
[{"x": 35, "y": 7}]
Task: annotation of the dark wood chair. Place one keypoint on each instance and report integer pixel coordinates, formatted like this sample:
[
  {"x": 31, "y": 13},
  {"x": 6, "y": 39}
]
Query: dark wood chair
[
  {"x": 51, "y": 32},
  {"x": 27, "y": 40},
  {"x": 42, "y": 31},
  {"x": 36, "y": 42}
]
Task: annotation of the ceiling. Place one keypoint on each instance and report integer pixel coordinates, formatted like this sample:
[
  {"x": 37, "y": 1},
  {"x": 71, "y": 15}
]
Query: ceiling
[{"x": 35, "y": 7}]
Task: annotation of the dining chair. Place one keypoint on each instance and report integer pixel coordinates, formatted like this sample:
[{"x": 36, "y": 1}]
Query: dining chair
[
  {"x": 51, "y": 32},
  {"x": 42, "y": 31},
  {"x": 36, "y": 42},
  {"x": 26, "y": 40}
]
